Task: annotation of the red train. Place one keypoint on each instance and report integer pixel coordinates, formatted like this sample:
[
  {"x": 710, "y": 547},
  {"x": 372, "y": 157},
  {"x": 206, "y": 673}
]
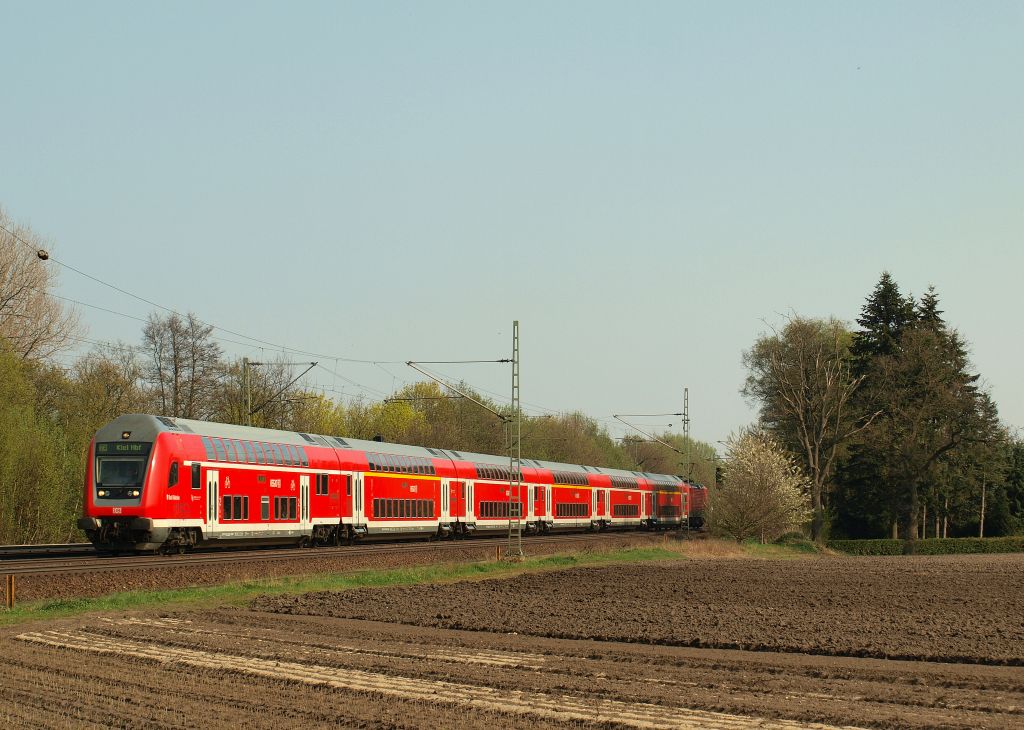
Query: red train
[{"x": 158, "y": 483}]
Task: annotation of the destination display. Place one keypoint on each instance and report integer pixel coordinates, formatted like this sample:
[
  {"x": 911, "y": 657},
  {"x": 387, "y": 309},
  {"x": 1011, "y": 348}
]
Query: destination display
[{"x": 123, "y": 448}]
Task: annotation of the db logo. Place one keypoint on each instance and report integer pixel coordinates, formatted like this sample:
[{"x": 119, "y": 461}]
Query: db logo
[
  {"x": 116, "y": 510},
  {"x": 227, "y": 482}
]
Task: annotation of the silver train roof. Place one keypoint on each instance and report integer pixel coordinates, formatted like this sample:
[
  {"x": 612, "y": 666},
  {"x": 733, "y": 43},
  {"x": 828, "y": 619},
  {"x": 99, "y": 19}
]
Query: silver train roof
[{"x": 146, "y": 424}]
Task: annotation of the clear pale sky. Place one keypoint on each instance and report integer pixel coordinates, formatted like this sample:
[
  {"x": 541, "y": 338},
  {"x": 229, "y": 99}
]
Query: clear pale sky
[{"x": 643, "y": 185}]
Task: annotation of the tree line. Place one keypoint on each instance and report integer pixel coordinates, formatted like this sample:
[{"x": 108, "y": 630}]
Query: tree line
[
  {"x": 49, "y": 411},
  {"x": 891, "y": 425}
]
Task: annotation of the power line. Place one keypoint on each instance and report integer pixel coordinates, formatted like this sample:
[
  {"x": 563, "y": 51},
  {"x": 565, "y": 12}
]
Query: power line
[{"x": 43, "y": 255}]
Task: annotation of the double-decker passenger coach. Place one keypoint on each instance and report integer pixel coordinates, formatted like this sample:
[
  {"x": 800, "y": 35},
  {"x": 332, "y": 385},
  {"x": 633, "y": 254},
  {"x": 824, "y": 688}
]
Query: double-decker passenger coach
[{"x": 170, "y": 484}]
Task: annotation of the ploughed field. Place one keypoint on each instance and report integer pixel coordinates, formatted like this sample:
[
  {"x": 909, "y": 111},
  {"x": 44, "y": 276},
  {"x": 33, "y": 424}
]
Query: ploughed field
[
  {"x": 711, "y": 643},
  {"x": 931, "y": 608}
]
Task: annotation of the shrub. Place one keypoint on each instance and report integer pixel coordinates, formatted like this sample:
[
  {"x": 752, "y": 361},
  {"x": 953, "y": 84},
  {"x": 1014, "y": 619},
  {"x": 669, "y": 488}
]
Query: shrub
[{"x": 933, "y": 546}]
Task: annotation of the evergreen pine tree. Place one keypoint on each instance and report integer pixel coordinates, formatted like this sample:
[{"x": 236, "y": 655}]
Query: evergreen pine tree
[
  {"x": 863, "y": 505},
  {"x": 885, "y": 315}
]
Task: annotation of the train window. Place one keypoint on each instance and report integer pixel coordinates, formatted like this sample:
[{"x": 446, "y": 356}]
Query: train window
[
  {"x": 376, "y": 507},
  {"x": 245, "y": 508},
  {"x": 258, "y": 450},
  {"x": 208, "y": 446},
  {"x": 293, "y": 452},
  {"x": 222, "y": 454},
  {"x": 277, "y": 508},
  {"x": 276, "y": 453},
  {"x": 229, "y": 447},
  {"x": 291, "y": 508},
  {"x": 237, "y": 508},
  {"x": 172, "y": 476},
  {"x": 286, "y": 454},
  {"x": 225, "y": 513},
  {"x": 348, "y": 485},
  {"x": 250, "y": 453},
  {"x": 197, "y": 482},
  {"x": 303, "y": 459},
  {"x": 265, "y": 508},
  {"x": 387, "y": 508}
]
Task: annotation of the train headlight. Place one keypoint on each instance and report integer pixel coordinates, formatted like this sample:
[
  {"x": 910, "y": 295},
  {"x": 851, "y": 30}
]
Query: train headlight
[
  {"x": 135, "y": 493},
  {"x": 102, "y": 492}
]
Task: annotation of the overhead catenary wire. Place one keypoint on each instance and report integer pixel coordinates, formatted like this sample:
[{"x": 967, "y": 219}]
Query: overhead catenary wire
[
  {"x": 152, "y": 303},
  {"x": 253, "y": 342}
]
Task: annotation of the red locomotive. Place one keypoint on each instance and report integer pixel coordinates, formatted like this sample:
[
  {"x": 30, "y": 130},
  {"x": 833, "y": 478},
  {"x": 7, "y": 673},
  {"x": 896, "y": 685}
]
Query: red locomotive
[{"x": 157, "y": 483}]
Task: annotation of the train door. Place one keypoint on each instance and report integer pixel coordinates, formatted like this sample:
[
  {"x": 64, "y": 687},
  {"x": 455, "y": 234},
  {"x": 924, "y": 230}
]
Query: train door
[
  {"x": 595, "y": 503},
  {"x": 303, "y": 500},
  {"x": 608, "y": 503},
  {"x": 445, "y": 501},
  {"x": 212, "y": 498},
  {"x": 470, "y": 505},
  {"x": 529, "y": 502},
  {"x": 358, "y": 517},
  {"x": 547, "y": 503}
]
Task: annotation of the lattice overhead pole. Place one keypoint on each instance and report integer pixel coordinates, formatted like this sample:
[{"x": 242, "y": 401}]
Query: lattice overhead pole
[
  {"x": 686, "y": 434},
  {"x": 515, "y": 517}
]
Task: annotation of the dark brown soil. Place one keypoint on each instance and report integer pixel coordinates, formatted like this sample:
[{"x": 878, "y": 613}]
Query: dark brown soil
[
  {"x": 271, "y": 667},
  {"x": 237, "y": 668},
  {"x": 935, "y": 608}
]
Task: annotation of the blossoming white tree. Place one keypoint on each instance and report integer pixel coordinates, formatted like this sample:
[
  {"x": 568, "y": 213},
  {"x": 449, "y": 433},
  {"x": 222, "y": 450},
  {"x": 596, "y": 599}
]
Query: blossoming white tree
[{"x": 763, "y": 492}]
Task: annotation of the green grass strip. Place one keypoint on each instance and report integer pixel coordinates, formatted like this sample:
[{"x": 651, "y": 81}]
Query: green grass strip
[{"x": 239, "y": 593}]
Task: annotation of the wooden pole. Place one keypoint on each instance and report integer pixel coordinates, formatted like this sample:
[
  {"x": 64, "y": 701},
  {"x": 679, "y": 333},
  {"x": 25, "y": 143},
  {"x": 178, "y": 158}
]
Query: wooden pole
[{"x": 9, "y": 592}]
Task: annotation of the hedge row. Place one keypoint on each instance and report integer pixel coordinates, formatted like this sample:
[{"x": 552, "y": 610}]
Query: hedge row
[{"x": 931, "y": 546}]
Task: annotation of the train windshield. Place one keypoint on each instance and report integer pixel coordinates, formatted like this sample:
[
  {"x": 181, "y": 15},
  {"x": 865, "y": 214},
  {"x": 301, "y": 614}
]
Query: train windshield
[{"x": 120, "y": 472}]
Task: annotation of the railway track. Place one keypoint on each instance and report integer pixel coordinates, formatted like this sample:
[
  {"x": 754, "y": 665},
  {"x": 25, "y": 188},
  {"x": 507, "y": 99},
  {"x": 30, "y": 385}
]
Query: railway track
[{"x": 77, "y": 562}]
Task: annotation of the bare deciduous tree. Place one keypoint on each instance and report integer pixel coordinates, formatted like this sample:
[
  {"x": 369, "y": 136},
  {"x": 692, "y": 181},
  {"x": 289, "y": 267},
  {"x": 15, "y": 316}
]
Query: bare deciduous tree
[
  {"x": 183, "y": 364},
  {"x": 34, "y": 324},
  {"x": 801, "y": 376}
]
